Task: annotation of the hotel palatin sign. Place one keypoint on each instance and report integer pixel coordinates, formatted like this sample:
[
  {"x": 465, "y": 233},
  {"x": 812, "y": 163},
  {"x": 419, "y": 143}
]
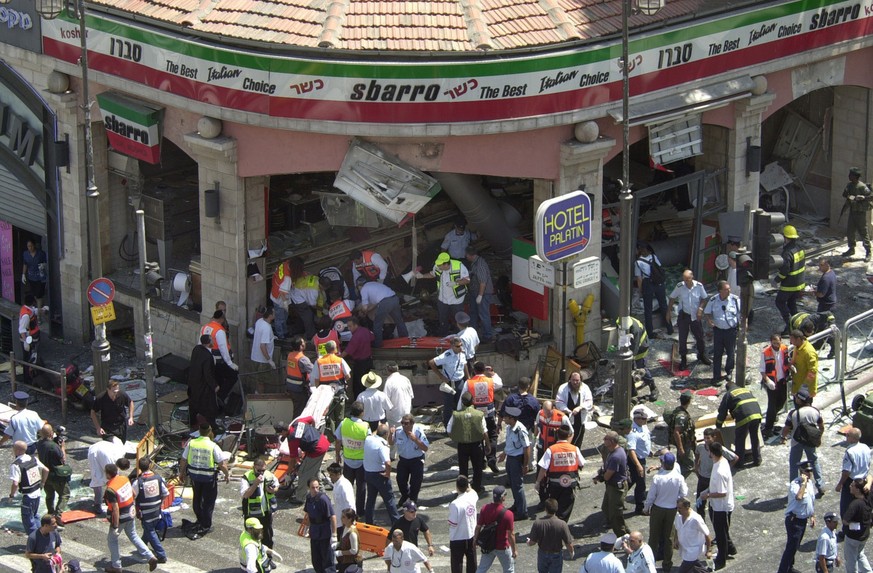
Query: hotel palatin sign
[
  {"x": 132, "y": 127},
  {"x": 502, "y": 87}
]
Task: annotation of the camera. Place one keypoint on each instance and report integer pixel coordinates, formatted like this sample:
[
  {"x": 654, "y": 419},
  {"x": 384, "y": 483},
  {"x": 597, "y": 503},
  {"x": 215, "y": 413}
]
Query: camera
[{"x": 60, "y": 435}]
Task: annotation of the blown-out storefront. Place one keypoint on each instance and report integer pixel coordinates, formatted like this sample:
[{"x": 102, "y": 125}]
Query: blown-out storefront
[{"x": 266, "y": 134}]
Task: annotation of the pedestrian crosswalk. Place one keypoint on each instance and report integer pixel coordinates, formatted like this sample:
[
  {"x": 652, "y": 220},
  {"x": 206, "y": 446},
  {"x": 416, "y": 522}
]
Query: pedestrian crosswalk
[{"x": 217, "y": 552}]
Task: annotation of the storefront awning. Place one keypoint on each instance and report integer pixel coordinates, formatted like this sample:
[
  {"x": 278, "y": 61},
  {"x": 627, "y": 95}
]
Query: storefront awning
[{"x": 697, "y": 100}]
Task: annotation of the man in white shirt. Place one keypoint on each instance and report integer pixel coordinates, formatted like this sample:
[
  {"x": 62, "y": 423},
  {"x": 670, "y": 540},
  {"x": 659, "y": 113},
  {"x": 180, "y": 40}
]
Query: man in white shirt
[
  {"x": 452, "y": 280},
  {"x": 721, "y": 500},
  {"x": 28, "y": 476},
  {"x": 640, "y": 558},
  {"x": 457, "y": 240},
  {"x": 263, "y": 344},
  {"x": 574, "y": 398},
  {"x": 462, "y": 526},
  {"x": 691, "y": 296},
  {"x": 468, "y": 335},
  {"x": 376, "y": 403},
  {"x": 404, "y": 557},
  {"x": 101, "y": 454},
  {"x": 24, "y": 425},
  {"x": 384, "y": 301},
  {"x": 398, "y": 389},
  {"x": 667, "y": 487},
  {"x": 604, "y": 560},
  {"x": 856, "y": 465},
  {"x": 452, "y": 368},
  {"x": 691, "y": 537},
  {"x": 343, "y": 492},
  {"x": 377, "y": 473}
]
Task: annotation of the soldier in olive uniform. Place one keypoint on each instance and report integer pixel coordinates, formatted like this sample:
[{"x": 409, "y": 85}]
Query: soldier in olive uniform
[
  {"x": 859, "y": 200},
  {"x": 682, "y": 434}
]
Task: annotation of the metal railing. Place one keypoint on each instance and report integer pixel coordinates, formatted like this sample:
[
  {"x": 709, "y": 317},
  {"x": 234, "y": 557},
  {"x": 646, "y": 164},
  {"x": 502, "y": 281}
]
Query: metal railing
[
  {"x": 862, "y": 326},
  {"x": 836, "y": 336},
  {"x": 61, "y": 374}
]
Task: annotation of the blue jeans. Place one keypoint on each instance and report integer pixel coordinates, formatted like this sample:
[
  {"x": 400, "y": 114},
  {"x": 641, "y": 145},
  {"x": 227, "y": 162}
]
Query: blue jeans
[
  {"x": 795, "y": 454},
  {"x": 280, "y": 324},
  {"x": 514, "y": 466},
  {"x": 378, "y": 483},
  {"x": 855, "y": 559},
  {"x": 503, "y": 555},
  {"x": 550, "y": 562},
  {"x": 30, "y": 514},
  {"x": 388, "y": 306},
  {"x": 794, "y": 528},
  {"x": 129, "y": 529},
  {"x": 151, "y": 537},
  {"x": 480, "y": 315}
]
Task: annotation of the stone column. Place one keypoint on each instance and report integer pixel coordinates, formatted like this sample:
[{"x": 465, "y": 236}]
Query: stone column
[
  {"x": 743, "y": 188},
  {"x": 222, "y": 239}
]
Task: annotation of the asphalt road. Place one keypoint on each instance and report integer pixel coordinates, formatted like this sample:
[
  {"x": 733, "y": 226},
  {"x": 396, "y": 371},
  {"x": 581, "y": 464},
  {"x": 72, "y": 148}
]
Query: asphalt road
[{"x": 757, "y": 524}]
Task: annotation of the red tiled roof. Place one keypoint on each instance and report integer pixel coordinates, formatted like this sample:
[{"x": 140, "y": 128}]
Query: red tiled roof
[{"x": 401, "y": 25}]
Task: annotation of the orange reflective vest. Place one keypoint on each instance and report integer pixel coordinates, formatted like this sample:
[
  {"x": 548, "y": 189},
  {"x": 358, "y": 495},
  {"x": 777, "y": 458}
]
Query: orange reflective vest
[
  {"x": 367, "y": 267},
  {"x": 770, "y": 363},
  {"x": 330, "y": 369},
  {"x": 120, "y": 485},
  {"x": 320, "y": 341},
  {"x": 481, "y": 388},
  {"x": 282, "y": 271},
  {"x": 292, "y": 368},
  {"x": 564, "y": 459},
  {"x": 33, "y": 327},
  {"x": 548, "y": 426},
  {"x": 339, "y": 310},
  {"x": 211, "y": 328}
]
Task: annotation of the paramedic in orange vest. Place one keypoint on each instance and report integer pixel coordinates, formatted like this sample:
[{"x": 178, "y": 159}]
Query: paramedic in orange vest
[
  {"x": 119, "y": 498},
  {"x": 332, "y": 369},
  {"x": 298, "y": 368},
  {"x": 775, "y": 367},
  {"x": 560, "y": 465},
  {"x": 549, "y": 419},
  {"x": 481, "y": 388},
  {"x": 324, "y": 333},
  {"x": 28, "y": 325},
  {"x": 225, "y": 368},
  {"x": 340, "y": 311},
  {"x": 369, "y": 264},
  {"x": 279, "y": 294}
]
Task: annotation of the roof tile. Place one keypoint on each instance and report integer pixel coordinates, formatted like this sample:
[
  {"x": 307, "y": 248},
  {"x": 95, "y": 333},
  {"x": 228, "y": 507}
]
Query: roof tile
[{"x": 399, "y": 25}]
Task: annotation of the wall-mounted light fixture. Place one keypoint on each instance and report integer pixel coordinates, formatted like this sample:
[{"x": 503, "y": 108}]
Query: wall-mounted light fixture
[
  {"x": 212, "y": 203},
  {"x": 753, "y": 157}
]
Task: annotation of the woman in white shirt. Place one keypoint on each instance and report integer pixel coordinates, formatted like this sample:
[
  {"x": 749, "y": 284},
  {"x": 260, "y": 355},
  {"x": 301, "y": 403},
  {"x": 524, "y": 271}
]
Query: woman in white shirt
[{"x": 348, "y": 552}]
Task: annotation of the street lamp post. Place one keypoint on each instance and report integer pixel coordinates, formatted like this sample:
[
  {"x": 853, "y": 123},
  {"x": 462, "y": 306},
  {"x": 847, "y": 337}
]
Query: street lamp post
[
  {"x": 622, "y": 390},
  {"x": 100, "y": 347}
]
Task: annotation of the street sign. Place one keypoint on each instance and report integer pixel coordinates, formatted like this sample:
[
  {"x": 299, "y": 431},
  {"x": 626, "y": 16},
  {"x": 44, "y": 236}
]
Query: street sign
[
  {"x": 541, "y": 272},
  {"x": 563, "y": 226},
  {"x": 586, "y": 272},
  {"x": 101, "y": 291},
  {"x": 103, "y": 313}
]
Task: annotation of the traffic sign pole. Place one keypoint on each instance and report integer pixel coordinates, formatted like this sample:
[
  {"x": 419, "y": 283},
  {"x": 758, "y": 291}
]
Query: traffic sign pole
[{"x": 100, "y": 291}]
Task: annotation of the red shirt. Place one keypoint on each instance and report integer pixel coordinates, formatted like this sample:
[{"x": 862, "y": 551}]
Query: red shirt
[
  {"x": 294, "y": 443},
  {"x": 489, "y": 513},
  {"x": 360, "y": 346}
]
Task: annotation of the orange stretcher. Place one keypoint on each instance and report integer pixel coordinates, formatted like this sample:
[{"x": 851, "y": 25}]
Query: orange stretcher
[{"x": 372, "y": 538}]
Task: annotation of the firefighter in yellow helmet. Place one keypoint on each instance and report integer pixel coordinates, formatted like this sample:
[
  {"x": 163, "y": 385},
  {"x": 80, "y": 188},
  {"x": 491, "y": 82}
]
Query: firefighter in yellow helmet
[{"x": 790, "y": 277}]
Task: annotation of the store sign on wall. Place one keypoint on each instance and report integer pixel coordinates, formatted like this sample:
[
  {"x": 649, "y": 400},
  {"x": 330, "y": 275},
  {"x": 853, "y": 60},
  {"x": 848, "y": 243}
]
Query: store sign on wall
[
  {"x": 20, "y": 25},
  {"x": 132, "y": 127},
  {"x": 563, "y": 226},
  {"x": 20, "y": 132},
  {"x": 504, "y": 87}
]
